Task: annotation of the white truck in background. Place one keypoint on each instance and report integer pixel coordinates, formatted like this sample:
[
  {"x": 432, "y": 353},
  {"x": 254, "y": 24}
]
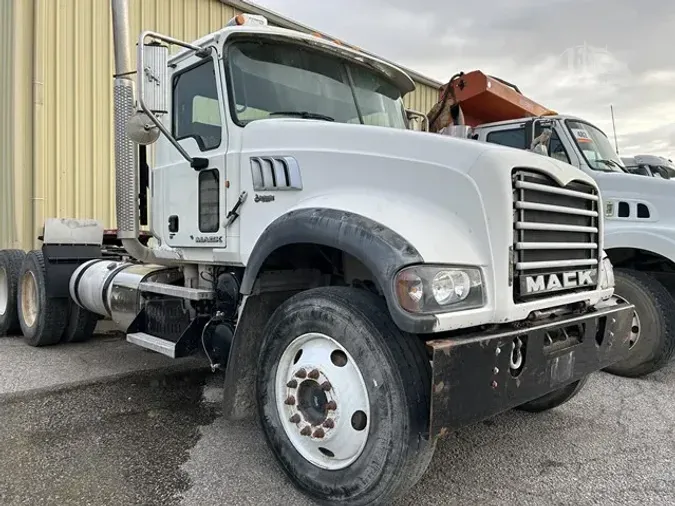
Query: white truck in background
[
  {"x": 357, "y": 281},
  {"x": 649, "y": 165},
  {"x": 639, "y": 214}
]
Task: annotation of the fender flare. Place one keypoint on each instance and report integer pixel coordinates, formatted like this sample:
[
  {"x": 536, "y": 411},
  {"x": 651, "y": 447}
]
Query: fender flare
[{"x": 380, "y": 249}]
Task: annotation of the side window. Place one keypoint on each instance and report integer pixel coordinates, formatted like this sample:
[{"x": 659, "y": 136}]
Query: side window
[
  {"x": 196, "y": 109},
  {"x": 557, "y": 150},
  {"x": 555, "y": 146},
  {"x": 514, "y": 138}
]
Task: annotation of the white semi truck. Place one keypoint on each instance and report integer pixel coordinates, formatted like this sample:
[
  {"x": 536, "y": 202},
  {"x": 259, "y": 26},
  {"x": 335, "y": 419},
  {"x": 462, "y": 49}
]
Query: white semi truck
[
  {"x": 361, "y": 284},
  {"x": 639, "y": 236}
]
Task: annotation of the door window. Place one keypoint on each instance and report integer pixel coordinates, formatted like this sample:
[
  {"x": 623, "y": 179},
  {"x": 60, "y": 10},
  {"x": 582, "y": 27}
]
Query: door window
[{"x": 196, "y": 108}]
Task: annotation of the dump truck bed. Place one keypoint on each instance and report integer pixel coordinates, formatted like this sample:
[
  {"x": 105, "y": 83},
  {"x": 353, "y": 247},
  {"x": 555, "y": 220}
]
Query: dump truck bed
[{"x": 485, "y": 99}]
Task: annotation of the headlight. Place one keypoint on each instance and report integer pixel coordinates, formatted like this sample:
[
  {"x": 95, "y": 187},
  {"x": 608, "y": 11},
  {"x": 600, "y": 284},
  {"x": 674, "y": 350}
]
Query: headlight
[
  {"x": 606, "y": 273},
  {"x": 437, "y": 289}
]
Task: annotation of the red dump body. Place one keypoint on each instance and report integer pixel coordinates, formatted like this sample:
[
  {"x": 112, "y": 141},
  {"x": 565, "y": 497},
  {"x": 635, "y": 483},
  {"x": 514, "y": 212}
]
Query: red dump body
[{"x": 484, "y": 99}]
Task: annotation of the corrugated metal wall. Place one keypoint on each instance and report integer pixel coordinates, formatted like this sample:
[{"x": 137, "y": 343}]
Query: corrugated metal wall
[
  {"x": 8, "y": 233},
  {"x": 56, "y": 126},
  {"x": 422, "y": 99},
  {"x": 16, "y": 33}
]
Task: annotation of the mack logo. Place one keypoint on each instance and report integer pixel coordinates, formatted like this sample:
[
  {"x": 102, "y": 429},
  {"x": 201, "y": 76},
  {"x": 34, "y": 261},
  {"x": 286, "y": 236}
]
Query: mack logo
[
  {"x": 209, "y": 239},
  {"x": 554, "y": 282}
]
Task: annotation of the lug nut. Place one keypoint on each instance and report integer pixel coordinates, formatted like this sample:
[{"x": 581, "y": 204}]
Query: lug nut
[
  {"x": 494, "y": 384},
  {"x": 314, "y": 374},
  {"x": 319, "y": 433},
  {"x": 290, "y": 400},
  {"x": 326, "y": 386},
  {"x": 295, "y": 418},
  {"x": 302, "y": 374},
  {"x": 292, "y": 384},
  {"x": 329, "y": 423},
  {"x": 495, "y": 370},
  {"x": 332, "y": 405},
  {"x": 306, "y": 431}
]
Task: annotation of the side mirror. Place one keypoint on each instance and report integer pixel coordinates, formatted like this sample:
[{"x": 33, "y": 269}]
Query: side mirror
[
  {"x": 153, "y": 77},
  {"x": 540, "y": 143},
  {"x": 419, "y": 119}
]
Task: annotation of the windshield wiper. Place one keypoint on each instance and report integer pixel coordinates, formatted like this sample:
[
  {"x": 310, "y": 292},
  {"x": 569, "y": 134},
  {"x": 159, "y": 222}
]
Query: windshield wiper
[
  {"x": 303, "y": 114},
  {"x": 612, "y": 163}
]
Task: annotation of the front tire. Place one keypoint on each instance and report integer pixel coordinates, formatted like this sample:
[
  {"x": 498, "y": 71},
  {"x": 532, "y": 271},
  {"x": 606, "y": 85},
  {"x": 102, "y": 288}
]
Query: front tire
[
  {"x": 343, "y": 396},
  {"x": 42, "y": 319},
  {"x": 652, "y": 340}
]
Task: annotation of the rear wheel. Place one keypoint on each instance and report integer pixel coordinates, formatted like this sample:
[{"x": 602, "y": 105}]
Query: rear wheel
[
  {"x": 42, "y": 319},
  {"x": 10, "y": 266},
  {"x": 343, "y": 396},
  {"x": 652, "y": 337},
  {"x": 81, "y": 324},
  {"x": 555, "y": 398}
]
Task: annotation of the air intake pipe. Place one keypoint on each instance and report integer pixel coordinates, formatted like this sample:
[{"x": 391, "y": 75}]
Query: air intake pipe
[{"x": 126, "y": 152}]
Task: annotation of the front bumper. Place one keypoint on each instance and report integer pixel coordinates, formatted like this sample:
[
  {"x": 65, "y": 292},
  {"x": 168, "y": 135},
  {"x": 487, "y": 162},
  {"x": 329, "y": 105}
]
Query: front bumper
[{"x": 480, "y": 375}]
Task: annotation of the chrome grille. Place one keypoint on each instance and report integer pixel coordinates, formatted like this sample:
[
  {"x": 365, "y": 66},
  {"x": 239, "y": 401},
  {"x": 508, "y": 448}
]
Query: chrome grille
[{"x": 556, "y": 231}]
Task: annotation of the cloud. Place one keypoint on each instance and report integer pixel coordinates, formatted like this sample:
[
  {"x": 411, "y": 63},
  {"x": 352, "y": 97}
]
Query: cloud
[{"x": 575, "y": 56}]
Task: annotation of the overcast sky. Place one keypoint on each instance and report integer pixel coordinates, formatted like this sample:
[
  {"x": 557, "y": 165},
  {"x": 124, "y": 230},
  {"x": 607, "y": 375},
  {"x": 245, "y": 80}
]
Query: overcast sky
[{"x": 537, "y": 45}]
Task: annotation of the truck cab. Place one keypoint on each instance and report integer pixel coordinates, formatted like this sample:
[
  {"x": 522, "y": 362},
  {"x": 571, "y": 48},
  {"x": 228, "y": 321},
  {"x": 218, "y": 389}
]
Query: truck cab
[{"x": 640, "y": 220}]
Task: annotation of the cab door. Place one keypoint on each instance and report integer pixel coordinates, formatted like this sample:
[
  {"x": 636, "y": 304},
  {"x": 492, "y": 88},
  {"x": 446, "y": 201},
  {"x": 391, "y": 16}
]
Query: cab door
[{"x": 193, "y": 199}]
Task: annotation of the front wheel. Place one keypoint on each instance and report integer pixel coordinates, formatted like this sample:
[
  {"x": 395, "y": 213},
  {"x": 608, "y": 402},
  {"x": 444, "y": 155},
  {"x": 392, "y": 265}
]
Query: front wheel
[
  {"x": 652, "y": 336},
  {"x": 343, "y": 397}
]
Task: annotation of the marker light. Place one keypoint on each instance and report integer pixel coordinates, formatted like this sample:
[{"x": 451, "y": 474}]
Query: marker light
[{"x": 247, "y": 19}]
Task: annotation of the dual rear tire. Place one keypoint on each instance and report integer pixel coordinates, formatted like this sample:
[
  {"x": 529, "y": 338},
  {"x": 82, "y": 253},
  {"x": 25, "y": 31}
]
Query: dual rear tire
[{"x": 26, "y": 308}]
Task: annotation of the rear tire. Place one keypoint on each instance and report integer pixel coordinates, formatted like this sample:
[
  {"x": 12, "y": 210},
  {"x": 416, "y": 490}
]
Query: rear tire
[
  {"x": 10, "y": 267},
  {"x": 81, "y": 324},
  {"x": 43, "y": 320},
  {"x": 372, "y": 445},
  {"x": 653, "y": 329},
  {"x": 554, "y": 399}
]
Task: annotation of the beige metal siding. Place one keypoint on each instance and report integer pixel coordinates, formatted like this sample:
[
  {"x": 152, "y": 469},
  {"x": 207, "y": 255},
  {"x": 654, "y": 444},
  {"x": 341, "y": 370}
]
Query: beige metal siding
[
  {"x": 422, "y": 99},
  {"x": 7, "y": 225},
  {"x": 16, "y": 31}
]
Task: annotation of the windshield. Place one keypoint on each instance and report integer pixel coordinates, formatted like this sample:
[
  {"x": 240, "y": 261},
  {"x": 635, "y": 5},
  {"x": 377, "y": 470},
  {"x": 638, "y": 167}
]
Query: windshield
[
  {"x": 595, "y": 147},
  {"x": 281, "y": 79}
]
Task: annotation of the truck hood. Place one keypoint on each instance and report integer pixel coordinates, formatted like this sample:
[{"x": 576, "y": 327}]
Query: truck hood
[{"x": 455, "y": 153}]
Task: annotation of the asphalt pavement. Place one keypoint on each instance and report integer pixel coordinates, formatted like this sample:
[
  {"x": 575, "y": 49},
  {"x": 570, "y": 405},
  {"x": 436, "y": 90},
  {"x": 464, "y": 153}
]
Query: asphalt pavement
[{"x": 155, "y": 437}]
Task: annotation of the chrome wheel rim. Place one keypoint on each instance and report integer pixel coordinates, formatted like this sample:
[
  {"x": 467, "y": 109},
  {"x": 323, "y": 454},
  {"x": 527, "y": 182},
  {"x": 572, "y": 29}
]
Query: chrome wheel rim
[
  {"x": 29, "y": 299},
  {"x": 635, "y": 326},
  {"x": 322, "y": 401}
]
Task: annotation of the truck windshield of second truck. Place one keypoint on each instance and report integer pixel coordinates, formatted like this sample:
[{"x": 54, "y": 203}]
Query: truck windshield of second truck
[
  {"x": 273, "y": 79},
  {"x": 595, "y": 147}
]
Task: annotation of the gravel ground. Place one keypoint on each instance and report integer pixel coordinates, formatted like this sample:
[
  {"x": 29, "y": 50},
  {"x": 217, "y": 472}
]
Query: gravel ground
[
  {"x": 161, "y": 442},
  {"x": 612, "y": 444}
]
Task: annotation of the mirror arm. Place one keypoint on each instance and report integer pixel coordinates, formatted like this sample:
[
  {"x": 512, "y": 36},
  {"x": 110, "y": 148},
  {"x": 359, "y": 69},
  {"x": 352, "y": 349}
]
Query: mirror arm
[{"x": 196, "y": 163}]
